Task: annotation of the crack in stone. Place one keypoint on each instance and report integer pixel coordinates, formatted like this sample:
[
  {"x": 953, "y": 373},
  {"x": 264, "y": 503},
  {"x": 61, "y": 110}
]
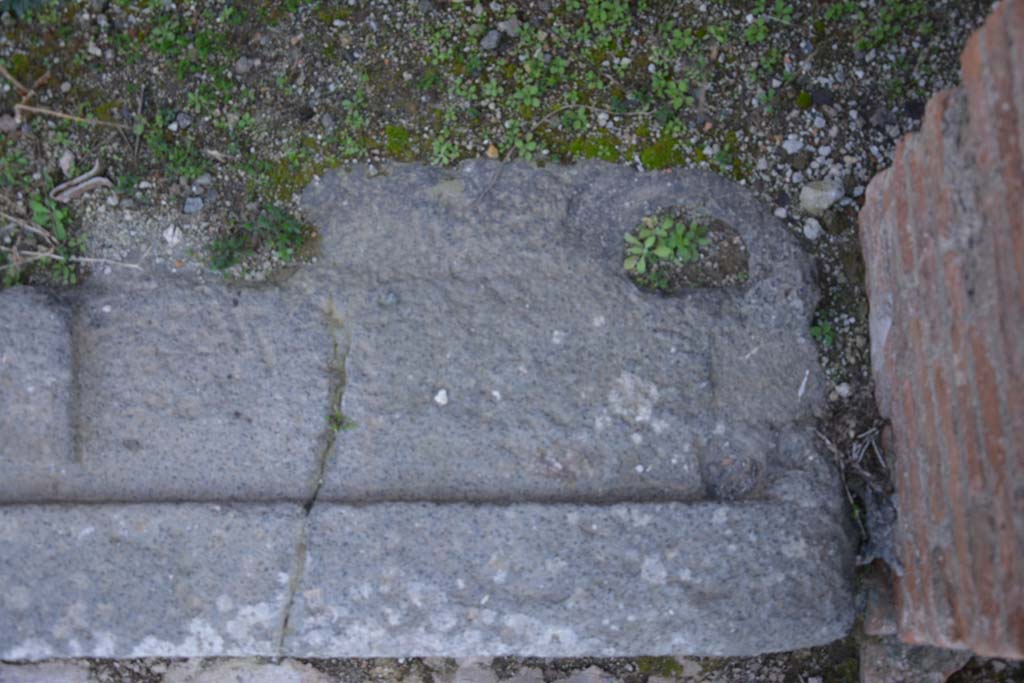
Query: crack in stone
[{"x": 336, "y": 422}]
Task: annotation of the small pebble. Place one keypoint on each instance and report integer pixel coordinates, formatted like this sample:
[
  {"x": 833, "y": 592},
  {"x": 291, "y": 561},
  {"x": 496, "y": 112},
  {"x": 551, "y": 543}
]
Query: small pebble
[
  {"x": 172, "y": 235},
  {"x": 816, "y": 197},
  {"x": 193, "y": 205},
  {"x": 441, "y": 397},
  {"x": 812, "y": 229},
  {"x": 490, "y": 41}
]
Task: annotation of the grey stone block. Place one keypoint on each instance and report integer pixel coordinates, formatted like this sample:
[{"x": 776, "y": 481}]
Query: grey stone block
[
  {"x": 144, "y": 580},
  {"x": 46, "y": 672},
  {"x": 608, "y": 470},
  {"x": 560, "y": 580},
  {"x": 498, "y": 352},
  {"x": 36, "y": 390}
]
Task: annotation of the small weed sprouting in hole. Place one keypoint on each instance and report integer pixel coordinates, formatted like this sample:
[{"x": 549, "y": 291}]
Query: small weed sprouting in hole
[
  {"x": 662, "y": 239},
  {"x": 823, "y": 333}
]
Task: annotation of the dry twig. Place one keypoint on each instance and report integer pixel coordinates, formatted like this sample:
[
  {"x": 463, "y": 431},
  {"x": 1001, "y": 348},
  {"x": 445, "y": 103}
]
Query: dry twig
[
  {"x": 28, "y": 93},
  {"x": 18, "y": 108}
]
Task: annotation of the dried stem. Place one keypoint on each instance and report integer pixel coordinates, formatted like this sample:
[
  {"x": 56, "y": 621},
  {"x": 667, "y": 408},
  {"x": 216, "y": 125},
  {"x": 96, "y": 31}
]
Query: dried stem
[{"x": 18, "y": 108}]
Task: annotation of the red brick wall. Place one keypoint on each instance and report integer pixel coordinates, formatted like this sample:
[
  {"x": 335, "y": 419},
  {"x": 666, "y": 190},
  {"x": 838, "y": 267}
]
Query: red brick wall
[{"x": 943, "y": 238}]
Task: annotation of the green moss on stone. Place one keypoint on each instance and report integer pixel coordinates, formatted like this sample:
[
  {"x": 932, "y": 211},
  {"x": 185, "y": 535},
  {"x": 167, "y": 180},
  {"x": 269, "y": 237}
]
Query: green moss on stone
[
  {"x": 603, "y": 146},
  {"x": 666, "y": 667},
  {"x": 397, "y": 143},
  {"x": 662, "y": 154},
  {"x": 329, "y": 14}
]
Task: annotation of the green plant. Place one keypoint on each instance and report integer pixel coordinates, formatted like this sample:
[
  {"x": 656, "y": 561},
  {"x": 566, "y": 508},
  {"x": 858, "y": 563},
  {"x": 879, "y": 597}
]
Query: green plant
[
  {"x": 783, "y": 12},
  {"x": 526, "y": 146},
  {"x": 227, "y": 251},
  {"x": 895, "y": 18},
  {"x": 719, "y": 32},
  {"x": 823, "y": 333},
  {"x": 338, "y": 422},
  {"x": 55, "y": 220},
  {"x": 13, "y": 168},
  {"x": 50, "y": 216},
  {"x": 648, "y": 246},
  {"x": 280, "y": 230},
  {"x": 443, "y": 150},
  {"x": 662, "y": 239},
  {"x": 757, "y": 32},
  {"x": 685, "y": 238},
  {"x": 839, "y": 10},
  {"x": 575, "y": 119},
  {"x": 274, "y": 228}
]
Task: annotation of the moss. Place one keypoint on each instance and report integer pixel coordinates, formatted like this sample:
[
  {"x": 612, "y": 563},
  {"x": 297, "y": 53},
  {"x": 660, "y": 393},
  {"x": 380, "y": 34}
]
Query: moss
[
  {"x": 21, "y": 68},
  {"x": 662, "y": 154},
  {"x": 286, "y": 177},
  {"x": 803, "y": 100},
  {"x": 667, "y": 667},
  {"x": 329, "y": 14},
  {"x": 397, "y": 143},
  {"x": 604, "y": 146},
  {"x": 106, "y": 110}
]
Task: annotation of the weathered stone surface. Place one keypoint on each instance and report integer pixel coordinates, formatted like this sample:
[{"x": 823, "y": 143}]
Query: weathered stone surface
[
  {"x": 144, "y": 580},
  {"x": 608, "y": 470},
  {"x": 35, "y": 392},
  {"x": 943, "y": 238},
  {"x": 178, "y": 391},
  {"x": 46, "y": 672},
  {"x": 497, "y": 351},
  {"x": 567, "y": 580}
]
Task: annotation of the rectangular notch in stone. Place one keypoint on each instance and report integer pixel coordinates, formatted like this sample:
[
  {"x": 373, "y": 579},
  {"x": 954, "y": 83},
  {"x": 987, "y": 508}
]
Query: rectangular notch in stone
[
  {"x": 36, "y": 394},
  {"x": 201, "y": 393},
  {"x": 164, "y": 392}
]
